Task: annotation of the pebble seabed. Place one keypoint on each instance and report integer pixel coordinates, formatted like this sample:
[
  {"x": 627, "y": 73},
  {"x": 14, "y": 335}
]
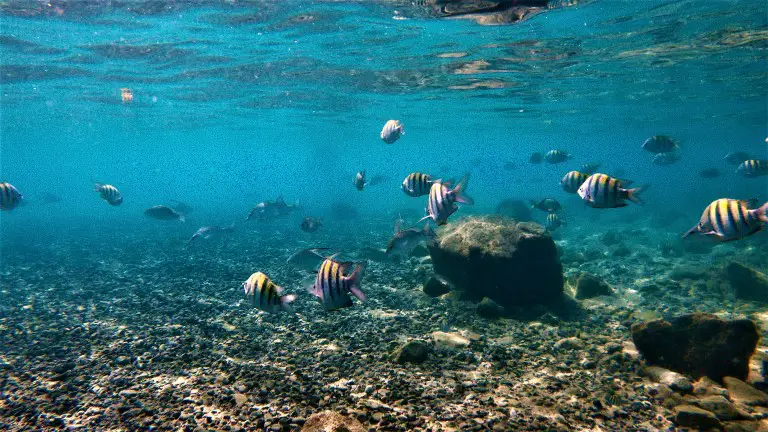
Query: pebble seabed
[{"x": 125, "y": 329}]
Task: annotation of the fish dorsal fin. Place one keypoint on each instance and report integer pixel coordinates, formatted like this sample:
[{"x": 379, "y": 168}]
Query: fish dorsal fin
[
  {"x": 334, "y": 256},
  {"x": 398, "y": 226},
  {"x": 345, "y": 266},
  {"x": 317, "y": 249}
]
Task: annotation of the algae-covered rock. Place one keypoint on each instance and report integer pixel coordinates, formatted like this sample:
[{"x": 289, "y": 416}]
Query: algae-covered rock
[
  {"x": 488, "y": 308},
  {"x": 512, "y": 263},
  {"x": 329, "y": 421},
  {"x": 589, "y": 286},
  {"x": 694, "y": 417},
  {"x": 515, "y": 209},
  {"x": 698, "y": 344},
  {"x": 449, "y": 340},
  {"x": 414, "y": 351},
  {"x": 749, "y": 284},
  {"x": 436, "y": 286}
]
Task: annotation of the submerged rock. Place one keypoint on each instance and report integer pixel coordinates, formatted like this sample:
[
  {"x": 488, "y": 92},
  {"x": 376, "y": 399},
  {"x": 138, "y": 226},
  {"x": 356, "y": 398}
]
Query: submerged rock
[
  {"x": 414, "y": 351},
  {"x": 515, "y": 209},
  {"x": 721, "y": 407},
  {"x": 449, "y": 340},
  {"x": 694, "y": 417},
  {"x": 488, "y": 308},
  {"x": 436, "y": 286},
  {"x": 589, "y": 286},
  {"x": 329, "y": 421},
  {"x": 749, "y": 284},
  {"x": 673, "y": 380},
  {"x": 512, "y": 263},
  {"x": 698, "y": 345},
  {"x": 741, "y": 392}
]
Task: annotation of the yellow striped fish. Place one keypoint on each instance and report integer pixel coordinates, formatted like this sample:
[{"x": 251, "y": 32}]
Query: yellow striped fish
[
  {"x": 109, "y": 193},
  {"x": 604, "y": 191},
  {"x": 263, "y": 294},
  {"x": 571, "y": 181},
  {"x": 391, "y": 131},
  {"x": 554, "y": 222},
  {"x": 10, "y": 197},
  {"x": 728, "y": 219},
  {"x": 442, "y": 201},
  {"x": 332, "y": 286},
  {"x": 417, "y": 184},
  {"x": 753, "y": 168}
]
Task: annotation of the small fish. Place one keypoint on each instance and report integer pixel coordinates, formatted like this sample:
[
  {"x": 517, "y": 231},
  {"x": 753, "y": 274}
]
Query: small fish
[
  {"x": 510, "y": 166},
  {"x": 310, "y": 224},
  {"x": 556, "y": 156},
  {"x": 162, "y": 212},
  {"x": 109, "y": 193},
  {"x": 664, "y": 159},
  {"x": 753, "y": 168},
  {"x": 571, "y": 181},
  {"x": 737, "y": 157},
  {"x": 729, "y": 219},
  {"x": 418, "y": 184},
  {"x": 207, "y": 232},
  {"x": 307, "y": 259},
  {"x": 10, "y": 197},
  {"x": 603, "y": 191},
  {"x": 268, "y": 210},
  {"x": 332, "y": 285},
  {"x": 360, "y": 180},
  {"x": 709, "y": 173},
  {"x": 554, "y": 222},
  {"x": 126, "y": 95},
  {"x": 441, "y": 202},
  {"x": 404, "y": 240},
  {"x": 549, "y": 205},
  {"x": 536, "y": 158},
  {"x": 590, "y": 168},
  {"x": 391, "y": 131},
  {"x": 660, "y": 144},
  {"x": 263, "y": 294}
]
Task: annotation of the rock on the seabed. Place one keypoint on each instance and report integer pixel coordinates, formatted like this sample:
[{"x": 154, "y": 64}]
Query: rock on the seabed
[
  {"x": 721, "y": 407},
  {"x": 512, "y": 263},
  {"x": 515, "y": 209},
  {"x": 414, "y": 351},
  {"x": 698, "y": 345},
  {"x": 673, "y": 380},
  {"x": 329, "y": 421},
  {"x": 589, "y": 286},
  {"x": 749, "y": 284},
  {"x": 693, "y": 417},
  {"x": 488, "y": 308},
  {"x": 741, "y": 392},
  {"x": 449, "y": 340},
  {"x": 436, "y": 286}
]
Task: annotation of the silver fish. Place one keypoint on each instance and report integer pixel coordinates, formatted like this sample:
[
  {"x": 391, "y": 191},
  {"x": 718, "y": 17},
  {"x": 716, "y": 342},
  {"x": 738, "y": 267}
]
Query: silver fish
[
  {"x": 392, "y": 131},
  {"x": 10, "y": 197},
  {"x": 737, "y": 157},
  {"x": 664, "y": 159},
  {"x": 660, "y": 144},
  {"x": 360, "y": 180},
  {"x": 404, "y": 240},
  {"x": 208, "y": 232},
  {"x": 109, "y": 193},
  {"x": 307, "y": 259}
]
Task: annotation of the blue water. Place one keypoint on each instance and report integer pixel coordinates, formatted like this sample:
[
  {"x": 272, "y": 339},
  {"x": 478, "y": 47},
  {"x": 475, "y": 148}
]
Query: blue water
[{"x": 236, "y": 103}]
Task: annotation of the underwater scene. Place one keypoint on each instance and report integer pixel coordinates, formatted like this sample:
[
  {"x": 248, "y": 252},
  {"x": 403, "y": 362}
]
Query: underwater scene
[{"x": 384, "y": 215}]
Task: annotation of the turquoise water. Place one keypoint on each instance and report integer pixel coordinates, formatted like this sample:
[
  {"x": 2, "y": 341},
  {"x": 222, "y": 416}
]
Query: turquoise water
[{"x": 235, "y": 103}]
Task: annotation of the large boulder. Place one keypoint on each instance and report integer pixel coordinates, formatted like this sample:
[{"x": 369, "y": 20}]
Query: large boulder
[
  {"x": 512, "y": 263},
  {"x": 590, "y": 286},
  {"x": 698, "y": 345},
  {"x": 515, "y": 209},
  {"x": 329, "y": 421}
]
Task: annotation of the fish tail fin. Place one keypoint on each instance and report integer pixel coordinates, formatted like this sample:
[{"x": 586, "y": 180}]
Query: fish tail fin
[
  {"x": 354, "y": 281},
  {"x": 762, "y": 213},
  {"x": 461, "y": 191},
  {"x": 691, "y": 231},
  {"x": 285, "y": 302},
  {"x": 633, "y": 194},
  {"x": 182, "y": 218}
]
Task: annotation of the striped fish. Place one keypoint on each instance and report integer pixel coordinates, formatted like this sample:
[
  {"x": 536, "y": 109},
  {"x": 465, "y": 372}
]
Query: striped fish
[
  {"x": 263, "y": 294},
  {"x": 441, "y": 202},
  {"x": 554, "y": 222},
  {"x": 753, "y": 168},
  {"x": 109, "y": 193},
  {"x": 603, "y": 191},
  {"x": 729, "y": 219},
  {"x": 571, "y": 181},
  {"x": 556, "y": 156},
  {"x": 360, "y": 180},
  {"x": 391, "y": 131},
  {"x": 332, "y": 286},
  {"x": 418, "y": 184},
  {"x": 10, "y": 197}
]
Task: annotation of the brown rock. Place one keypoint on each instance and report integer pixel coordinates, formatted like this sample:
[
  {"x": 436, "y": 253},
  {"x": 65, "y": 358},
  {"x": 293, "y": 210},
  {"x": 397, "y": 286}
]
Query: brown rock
[
  {"x": 693, "y": 417},
  {"x": 698, "y": 345},
  {"x": 719, "y": 406},
  {"x": 749, "y": 284},
  {"x": 746, "y": 426},
  {"x": 741, "y": 392},
  {"x": 329, "y": 421}
]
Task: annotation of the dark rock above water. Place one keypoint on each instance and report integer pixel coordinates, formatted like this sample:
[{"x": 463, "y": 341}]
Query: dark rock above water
[
  {"x": 748, "y": 284},
  {"x": 509, "y": 262},
  {"x": 698, "y": 344}
]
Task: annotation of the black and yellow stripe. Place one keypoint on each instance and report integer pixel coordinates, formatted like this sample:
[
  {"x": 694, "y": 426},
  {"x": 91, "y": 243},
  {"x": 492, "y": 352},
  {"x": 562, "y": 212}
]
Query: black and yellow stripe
[
  {"x": 417, "y": 184},
  {"x": 753, "y": 168},
  {"x": 731, "y": 219},
  {"x": 10, "y": 197},
  {"x": 572, "y": 180}
]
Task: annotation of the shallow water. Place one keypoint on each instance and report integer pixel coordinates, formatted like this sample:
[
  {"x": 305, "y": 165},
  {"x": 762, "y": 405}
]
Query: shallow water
[{"x": 237, "y": 103}]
